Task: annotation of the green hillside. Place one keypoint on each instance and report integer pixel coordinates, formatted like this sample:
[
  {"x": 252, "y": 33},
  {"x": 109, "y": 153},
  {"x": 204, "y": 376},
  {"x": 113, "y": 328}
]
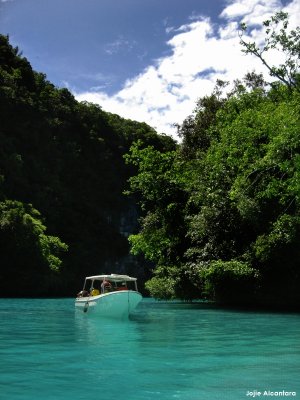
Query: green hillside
[{"x": 63, "y": 214}]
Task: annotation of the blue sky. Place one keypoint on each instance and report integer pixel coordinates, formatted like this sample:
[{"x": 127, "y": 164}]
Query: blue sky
[
  {"x": 96, "y": 43},
  {"x": 147, "y": 60}
]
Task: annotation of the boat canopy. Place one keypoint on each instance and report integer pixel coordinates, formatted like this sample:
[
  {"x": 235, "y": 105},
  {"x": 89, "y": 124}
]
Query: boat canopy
[{"x": 112, "y": 278}]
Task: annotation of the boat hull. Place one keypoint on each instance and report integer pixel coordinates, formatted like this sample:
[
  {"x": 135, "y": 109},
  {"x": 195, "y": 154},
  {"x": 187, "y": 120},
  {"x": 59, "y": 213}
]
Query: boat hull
[{"x": 112, "y": 305}]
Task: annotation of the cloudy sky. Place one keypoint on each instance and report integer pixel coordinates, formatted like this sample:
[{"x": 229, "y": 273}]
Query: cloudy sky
[{"x": 147, "y": 60}]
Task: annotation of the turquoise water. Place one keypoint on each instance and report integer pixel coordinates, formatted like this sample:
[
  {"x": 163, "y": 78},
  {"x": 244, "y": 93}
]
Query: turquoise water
[{"x": 165, "y": 351}]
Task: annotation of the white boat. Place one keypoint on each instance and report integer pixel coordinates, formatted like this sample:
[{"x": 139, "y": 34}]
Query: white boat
[{"x": 114, "y": 296}]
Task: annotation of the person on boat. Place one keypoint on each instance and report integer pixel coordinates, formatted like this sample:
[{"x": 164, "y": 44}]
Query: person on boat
[
  {"x": 105, "y": 286},
  {"x": 82, "y": 293},
  {"x": 95, "y": 292}
]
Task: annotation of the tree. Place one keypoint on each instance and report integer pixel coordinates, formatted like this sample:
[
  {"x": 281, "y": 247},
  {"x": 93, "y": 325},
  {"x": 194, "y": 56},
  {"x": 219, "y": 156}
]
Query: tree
[
  {"x": 237, "y": 170},
  {"x": 279, "y": 38},
  {"x": 160, "y": 186},
  {"x": 27, "y": 254},
  {"x": 196, "y": 130},
  {"x": 250, "y": 212},
  {"x": 66, "y": 159}
]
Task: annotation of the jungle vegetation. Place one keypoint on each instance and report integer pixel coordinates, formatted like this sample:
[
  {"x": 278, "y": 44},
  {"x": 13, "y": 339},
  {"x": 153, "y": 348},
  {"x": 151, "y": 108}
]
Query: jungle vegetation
[
  {"x": 221, "y": 212},
  {"x": 63, "y": 214},
  {"x": 216, "y": 216}
]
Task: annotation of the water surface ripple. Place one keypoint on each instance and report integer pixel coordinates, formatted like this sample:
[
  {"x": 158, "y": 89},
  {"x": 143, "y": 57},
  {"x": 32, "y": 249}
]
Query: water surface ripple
[{"x": 165, "y": 351}]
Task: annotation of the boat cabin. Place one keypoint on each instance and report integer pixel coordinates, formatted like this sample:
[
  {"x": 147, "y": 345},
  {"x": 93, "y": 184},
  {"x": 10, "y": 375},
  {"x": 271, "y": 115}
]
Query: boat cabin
[{"x": 101, "y": 284}]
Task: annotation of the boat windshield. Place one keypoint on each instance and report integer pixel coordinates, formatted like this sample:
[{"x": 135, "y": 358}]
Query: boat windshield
[{"x": 100, "y": 284}]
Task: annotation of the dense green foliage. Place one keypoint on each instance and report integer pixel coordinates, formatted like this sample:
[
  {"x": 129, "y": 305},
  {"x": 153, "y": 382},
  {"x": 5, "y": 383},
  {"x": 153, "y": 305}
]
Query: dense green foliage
[
  {"x": 222, "y": 212},
  {"x": 219, "y": 213},
  {"x": 223, "y": 221},
  {"x": 30, "y": 255},
  {"x": 64, "y": 159}
]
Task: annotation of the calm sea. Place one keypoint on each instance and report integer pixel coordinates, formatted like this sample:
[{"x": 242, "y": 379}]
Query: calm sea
[{"x": 165, "y": 351}]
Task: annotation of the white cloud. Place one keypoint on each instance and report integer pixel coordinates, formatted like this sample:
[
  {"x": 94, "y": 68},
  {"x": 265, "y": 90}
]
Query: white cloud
[
  {"x": 293, "y": 9},
  {"x": 251, "y": 12},
  {"x": 166, "y": 92},
  {"x": 120, "y": 44}
]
